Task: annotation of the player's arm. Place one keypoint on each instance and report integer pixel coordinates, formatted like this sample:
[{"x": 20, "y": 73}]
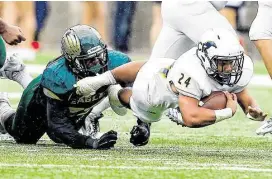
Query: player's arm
[
  {"x": 11, "y": 34},
  {"x": 63, "y": 127},
  {"x": 187, "y": 85},
  {"x": 195, "y": 116},
  {"x": 123, "y": 74},
  {"x": 250, "y": 106}
]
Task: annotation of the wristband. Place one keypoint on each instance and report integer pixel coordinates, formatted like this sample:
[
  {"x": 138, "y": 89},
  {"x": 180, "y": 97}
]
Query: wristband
[
  {"x": 223, "y": 114},
  {"x": 110, "y": 78}
]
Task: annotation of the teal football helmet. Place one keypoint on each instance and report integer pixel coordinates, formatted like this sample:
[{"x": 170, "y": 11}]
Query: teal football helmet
[{"x": 84, "y": 50}]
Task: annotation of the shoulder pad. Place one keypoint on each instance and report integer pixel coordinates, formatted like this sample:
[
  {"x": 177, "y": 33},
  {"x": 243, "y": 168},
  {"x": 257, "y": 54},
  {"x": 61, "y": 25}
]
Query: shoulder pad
[
  {"x": 117, "y": 59},
  {"x": 185, "y": 82},
  {"x": 58, "y": 78}
]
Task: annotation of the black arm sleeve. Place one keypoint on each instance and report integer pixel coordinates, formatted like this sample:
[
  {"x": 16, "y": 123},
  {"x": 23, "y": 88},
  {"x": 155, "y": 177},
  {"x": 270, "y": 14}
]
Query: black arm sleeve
[{"x": 64, "y": 128}]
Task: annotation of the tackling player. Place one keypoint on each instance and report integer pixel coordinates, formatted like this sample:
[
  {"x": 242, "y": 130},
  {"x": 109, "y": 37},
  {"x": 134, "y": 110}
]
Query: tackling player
[
  {"x": 50, "y": 103},
  {"x": 217, "y": 64}
]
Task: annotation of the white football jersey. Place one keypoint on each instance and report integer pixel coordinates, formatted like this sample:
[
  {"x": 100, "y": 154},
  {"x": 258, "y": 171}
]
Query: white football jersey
[
  {"x": 190, "y": 78},
  {"x": 152, "y": 93}
]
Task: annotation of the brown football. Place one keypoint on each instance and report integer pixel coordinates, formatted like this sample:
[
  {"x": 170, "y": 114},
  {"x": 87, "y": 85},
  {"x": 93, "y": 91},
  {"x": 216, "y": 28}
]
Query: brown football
[{"x": 216, "y": 100}]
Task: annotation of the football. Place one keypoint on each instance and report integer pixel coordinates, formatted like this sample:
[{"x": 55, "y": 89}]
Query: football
[{"x": 216, "y": 100}]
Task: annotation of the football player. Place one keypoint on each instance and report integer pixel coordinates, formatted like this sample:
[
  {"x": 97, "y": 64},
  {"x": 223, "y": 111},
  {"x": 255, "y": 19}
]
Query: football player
[
  {"x": 261, "y": 34},
  {"x": 50, "y": 103},
  {"x": 218, "y": 63}
]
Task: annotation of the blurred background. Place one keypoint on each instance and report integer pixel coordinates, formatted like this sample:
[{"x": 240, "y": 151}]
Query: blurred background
[{"x": 128, "y": 26}]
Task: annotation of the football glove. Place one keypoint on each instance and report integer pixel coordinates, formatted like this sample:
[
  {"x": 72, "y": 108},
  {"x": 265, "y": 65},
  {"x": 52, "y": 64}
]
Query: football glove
[
  {"x": 140, "y": 133},
  {"x": 106, "y": 141}
]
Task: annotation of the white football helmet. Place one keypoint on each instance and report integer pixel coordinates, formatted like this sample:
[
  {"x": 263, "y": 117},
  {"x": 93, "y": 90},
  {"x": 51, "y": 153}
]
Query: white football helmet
[{"x": 218, "y": 47}]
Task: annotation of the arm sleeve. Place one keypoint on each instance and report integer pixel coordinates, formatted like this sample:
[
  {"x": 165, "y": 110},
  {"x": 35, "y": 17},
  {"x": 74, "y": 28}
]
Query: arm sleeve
[{"x": 62, "y": 127}]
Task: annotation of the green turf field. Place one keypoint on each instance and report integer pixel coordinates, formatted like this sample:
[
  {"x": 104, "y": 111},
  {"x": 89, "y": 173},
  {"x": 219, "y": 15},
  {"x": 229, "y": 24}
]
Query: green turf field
[{"x": 229, "y": 149}]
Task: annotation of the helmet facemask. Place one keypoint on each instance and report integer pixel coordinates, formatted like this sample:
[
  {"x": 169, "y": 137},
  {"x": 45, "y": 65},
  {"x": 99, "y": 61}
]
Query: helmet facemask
[
  {"x": 227, "y": 70},
  {"x": 214, "y": 65},
  {"x": 84, "y": 50},
  {"x": 91, "y": 64}
]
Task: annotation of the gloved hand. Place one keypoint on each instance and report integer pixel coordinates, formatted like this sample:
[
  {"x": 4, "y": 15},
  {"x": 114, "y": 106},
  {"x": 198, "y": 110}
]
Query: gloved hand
[
  {"x": 106, "y": 141},
  {"x": 140, "y": 133},
  {"x": 89, "y": 85}
]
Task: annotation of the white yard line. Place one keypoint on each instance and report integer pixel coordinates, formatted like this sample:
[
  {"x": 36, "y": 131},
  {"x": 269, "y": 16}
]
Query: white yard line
[{"x": 184, "y": 167}]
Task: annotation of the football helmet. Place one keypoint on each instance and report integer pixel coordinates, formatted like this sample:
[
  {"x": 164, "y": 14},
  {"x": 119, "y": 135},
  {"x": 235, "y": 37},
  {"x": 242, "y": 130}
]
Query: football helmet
[
  {"x": 221, "y": 56},
  {"x": 84, "y": 50}
]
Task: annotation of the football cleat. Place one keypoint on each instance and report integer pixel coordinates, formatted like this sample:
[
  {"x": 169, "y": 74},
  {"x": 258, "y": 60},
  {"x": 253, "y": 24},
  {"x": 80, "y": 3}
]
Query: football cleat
[
  {"x": 92, "y": 127},
  {"x": 12, "y": 68},
  {"x": 265, "y": 128}
]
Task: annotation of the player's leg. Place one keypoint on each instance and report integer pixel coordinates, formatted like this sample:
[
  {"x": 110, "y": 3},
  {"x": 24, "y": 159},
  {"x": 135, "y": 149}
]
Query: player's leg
[
  {"x": 156, "y": 22},
  {"x": 100, "y": 19},
  {"x": 140, "y": 133},
  {"x": 88, "y": 12},
  {"x": 14, "y": 70},
  {"x": 29, "y": 122},
  {"x": 193, "y": 23},
  {"x": 171, "y": 44},
  {"x": 26, "y": 12},
  {"x": 261, "y": 34},
  {"x": 183, "y": 21}
]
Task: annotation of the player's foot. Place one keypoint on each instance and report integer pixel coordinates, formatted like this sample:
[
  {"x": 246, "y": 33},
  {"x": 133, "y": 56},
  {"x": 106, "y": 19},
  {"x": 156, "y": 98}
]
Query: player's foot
[
  {"x": 5, "y": 110},
  {"x": 140, "y": 133},
  {"x": 265, "y": 128},
  {"x": 94, "y": 126},
  {"x": 12, "y": 68}
]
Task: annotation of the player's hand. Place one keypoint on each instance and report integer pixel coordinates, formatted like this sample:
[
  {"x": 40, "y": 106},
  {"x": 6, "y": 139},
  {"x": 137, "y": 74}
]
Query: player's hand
[
  {"x": 106, "y": 141},
  {"x": 140, "y": 134},
  {"x": 175, "y": 116},
  {"x": 13, "y": 35},
  {"x": 87, "y": 86},
  {"x": 231, "y": 101},
  {"x": 256, "y": 114}
]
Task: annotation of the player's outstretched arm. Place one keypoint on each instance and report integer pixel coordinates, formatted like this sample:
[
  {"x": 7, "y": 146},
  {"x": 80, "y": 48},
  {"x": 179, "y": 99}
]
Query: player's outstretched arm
[
  {"x": 11, "y": 34},
  {"x": 123, "y": 74},
  {"x": 195, "y": 116},
  {"x": 250, "y": 106},
  {"x": 63, "y": 128}
]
